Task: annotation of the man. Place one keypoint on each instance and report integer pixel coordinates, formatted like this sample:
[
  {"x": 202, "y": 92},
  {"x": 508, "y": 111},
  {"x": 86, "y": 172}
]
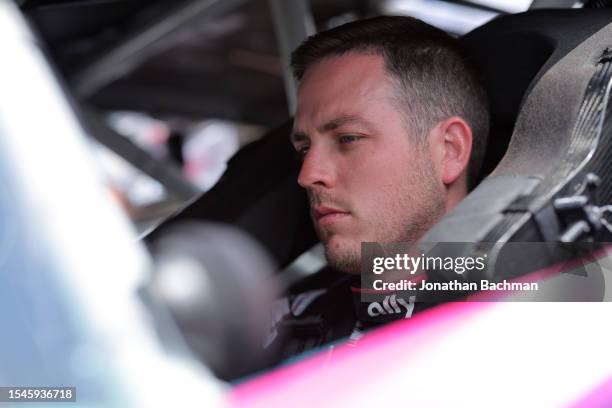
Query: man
[{"x": 390, "y": 126}]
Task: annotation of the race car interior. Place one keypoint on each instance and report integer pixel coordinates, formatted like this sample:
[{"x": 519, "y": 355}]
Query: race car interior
[
  {"x": 545, "y": 176},
  {"x": 516, "y": 55},
  {"x": 548, "y": 186}
]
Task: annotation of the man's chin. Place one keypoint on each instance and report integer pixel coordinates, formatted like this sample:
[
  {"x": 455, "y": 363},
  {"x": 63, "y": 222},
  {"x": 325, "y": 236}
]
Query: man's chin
[{"x": 343, "y": 255}]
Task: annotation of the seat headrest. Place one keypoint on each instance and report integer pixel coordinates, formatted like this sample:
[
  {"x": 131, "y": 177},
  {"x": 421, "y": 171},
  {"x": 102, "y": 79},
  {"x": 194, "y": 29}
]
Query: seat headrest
[{"x": 512, "y": 52}]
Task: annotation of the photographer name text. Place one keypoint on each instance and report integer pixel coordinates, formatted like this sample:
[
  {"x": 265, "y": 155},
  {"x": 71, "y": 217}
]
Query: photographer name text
[{"x": 454, "y": 285}]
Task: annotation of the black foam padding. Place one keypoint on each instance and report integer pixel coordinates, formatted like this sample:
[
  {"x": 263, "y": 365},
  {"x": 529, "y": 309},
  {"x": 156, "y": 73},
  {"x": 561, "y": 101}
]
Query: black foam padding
[{"x": 512, "y": 52}]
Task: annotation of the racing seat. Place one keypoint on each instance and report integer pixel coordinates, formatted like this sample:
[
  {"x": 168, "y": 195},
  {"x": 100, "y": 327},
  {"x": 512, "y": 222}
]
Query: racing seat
[
  {"x": 546, "y": 72},
  {"x": 553, "y": 182}
]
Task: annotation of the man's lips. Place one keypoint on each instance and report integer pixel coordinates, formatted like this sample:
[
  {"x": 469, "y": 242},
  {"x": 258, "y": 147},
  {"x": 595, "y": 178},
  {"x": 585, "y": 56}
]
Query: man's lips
[{"x": 326, "y": 215}]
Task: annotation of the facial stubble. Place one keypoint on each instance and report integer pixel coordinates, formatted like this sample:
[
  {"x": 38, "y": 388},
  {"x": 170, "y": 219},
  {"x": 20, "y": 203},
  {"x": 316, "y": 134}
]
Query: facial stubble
[{"x": 418, "y": 204}]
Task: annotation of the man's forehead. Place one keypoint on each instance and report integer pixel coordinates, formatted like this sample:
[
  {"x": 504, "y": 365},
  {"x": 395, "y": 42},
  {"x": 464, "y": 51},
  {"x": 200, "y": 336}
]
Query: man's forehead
[
  {"x": 343, "y": 73},
  {"x": 347, "y": 79},
  {"x": 342, "y": 90}
]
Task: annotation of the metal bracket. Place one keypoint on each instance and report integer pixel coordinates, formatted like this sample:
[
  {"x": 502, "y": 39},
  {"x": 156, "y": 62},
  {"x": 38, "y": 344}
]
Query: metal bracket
[{"x": 582, "y": 214}]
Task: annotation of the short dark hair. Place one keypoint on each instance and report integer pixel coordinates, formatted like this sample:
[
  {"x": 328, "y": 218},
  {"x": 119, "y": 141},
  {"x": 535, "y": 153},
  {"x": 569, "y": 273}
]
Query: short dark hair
[{"x": 431, "y": 73}]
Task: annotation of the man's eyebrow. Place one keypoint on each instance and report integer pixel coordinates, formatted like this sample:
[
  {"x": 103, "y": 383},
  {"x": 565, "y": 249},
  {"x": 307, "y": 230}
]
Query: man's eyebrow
[
  {"x": 298, "y": 136},
  {"x": 342, "y": 120}
]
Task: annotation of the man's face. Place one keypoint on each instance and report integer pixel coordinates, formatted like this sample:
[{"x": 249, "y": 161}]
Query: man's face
[{"x": 365, "y": 177}]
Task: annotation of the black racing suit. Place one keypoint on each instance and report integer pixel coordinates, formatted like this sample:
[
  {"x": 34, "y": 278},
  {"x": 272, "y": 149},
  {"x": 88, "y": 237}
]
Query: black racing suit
[{"x": 329, "y": 307}]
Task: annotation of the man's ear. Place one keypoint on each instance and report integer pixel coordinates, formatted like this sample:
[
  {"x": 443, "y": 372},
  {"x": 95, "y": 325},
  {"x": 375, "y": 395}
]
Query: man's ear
[{"x": 455, "y": 144}]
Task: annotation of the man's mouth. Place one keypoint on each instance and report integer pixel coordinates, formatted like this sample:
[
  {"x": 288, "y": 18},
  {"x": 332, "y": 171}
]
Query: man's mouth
[{"x": 325, "y": 215}]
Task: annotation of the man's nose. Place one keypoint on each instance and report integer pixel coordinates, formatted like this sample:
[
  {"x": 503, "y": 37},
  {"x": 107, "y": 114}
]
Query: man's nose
[{"x": 317, "y": 170}]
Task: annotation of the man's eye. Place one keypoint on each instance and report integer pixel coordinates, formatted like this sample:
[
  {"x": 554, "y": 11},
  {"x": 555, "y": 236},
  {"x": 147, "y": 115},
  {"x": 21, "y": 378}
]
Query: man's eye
[{"x": 345, "y": 139}]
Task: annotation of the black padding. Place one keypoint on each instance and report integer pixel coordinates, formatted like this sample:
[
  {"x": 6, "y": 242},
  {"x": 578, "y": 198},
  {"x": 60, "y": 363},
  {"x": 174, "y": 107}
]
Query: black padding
[{"x": 512, "y": 52}]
